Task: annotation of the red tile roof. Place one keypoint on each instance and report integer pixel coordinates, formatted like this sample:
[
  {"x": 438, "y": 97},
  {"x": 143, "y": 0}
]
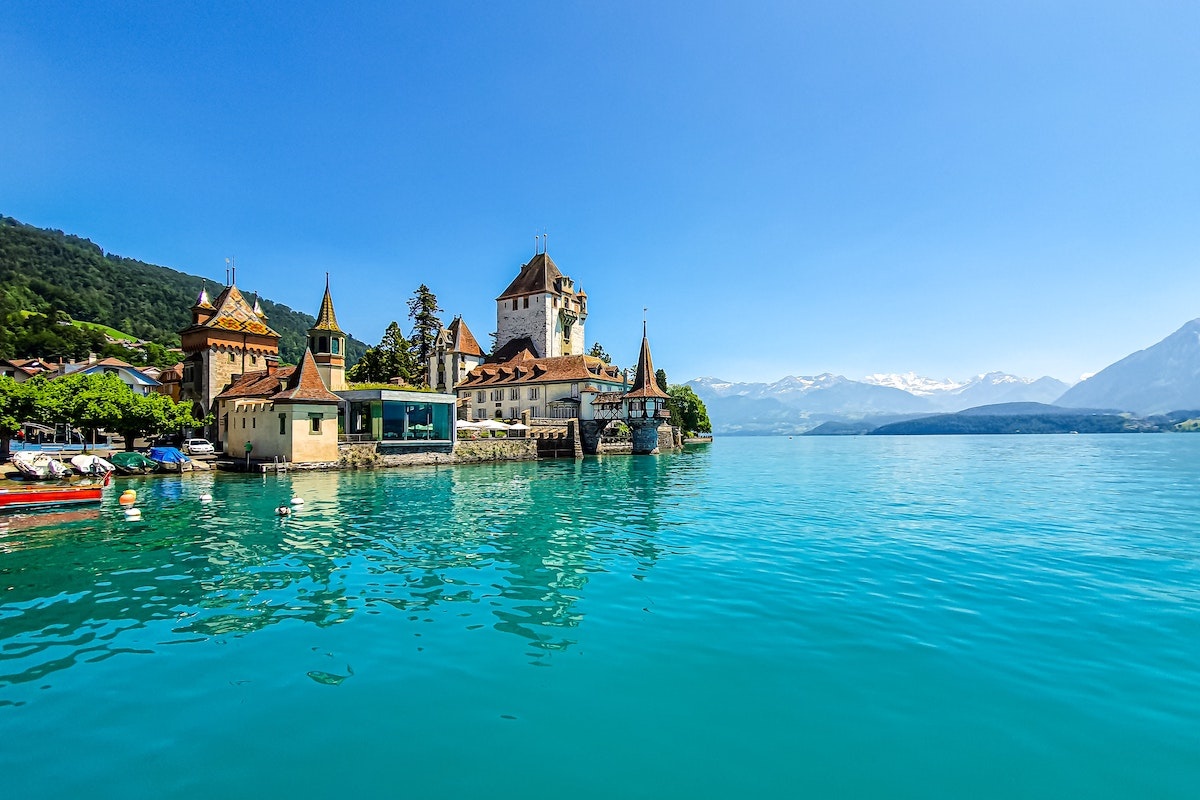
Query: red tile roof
[
  {"x": 233, "y": 313},
  {"x": 305, "y": 385},
  {"x": 525, "y": 369},
  {"x": 461, "y": 340}
]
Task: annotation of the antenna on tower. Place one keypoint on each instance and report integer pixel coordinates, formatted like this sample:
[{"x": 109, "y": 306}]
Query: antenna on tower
[
  {"x": 643, "y": 322},
  {"x": 227, "y": 270}
]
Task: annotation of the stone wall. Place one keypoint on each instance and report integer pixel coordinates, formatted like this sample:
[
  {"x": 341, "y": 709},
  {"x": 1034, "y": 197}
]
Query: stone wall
[{"x": 467, "y": 452}]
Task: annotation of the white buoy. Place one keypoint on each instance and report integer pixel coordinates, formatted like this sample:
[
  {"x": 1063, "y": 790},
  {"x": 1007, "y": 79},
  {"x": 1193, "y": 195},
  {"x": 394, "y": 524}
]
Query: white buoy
[
  {"x": 297, "y": 501},
  {"x": 133, "y": 513},
  {"x": 206, "y": 498}
]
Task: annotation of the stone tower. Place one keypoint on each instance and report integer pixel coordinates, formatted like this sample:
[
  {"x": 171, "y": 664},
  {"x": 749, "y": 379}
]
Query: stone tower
[
  {"x": 328, "y": 344},
  {"x": 227, "y": 338},
  {"x": 540, "y": 311}
]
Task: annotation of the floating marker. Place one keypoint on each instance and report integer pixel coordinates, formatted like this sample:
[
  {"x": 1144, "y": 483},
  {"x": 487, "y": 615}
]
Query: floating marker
[
  {"x": 297, "y": 501},
  {"x": 133, "y": 513},
  {"x": 128, "y": 497},
  {"x": 206, "y": 498}
]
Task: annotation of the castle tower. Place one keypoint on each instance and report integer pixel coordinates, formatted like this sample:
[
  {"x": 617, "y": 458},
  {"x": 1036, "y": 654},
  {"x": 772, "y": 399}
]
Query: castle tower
[
  {"x": 645, "y": 404},
  {"x": 328, "y": 344},
  {"x": 225, "y": 340},
  {"x": 540, "y": 311}
]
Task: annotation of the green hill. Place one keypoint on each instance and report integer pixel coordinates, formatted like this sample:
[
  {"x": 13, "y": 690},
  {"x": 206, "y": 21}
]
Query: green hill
[{"x": 48, "y": 271}]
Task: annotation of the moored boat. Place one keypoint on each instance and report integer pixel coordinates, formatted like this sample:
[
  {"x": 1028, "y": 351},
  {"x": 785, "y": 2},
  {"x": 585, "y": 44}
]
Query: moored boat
[
  {"x": 40, "y": 466},
  {"x": 15, "y": 497},
  {"x": 132, "y": 463},
  {"x": 169, "y": 459},
  {"x": 91, "y": 465}
]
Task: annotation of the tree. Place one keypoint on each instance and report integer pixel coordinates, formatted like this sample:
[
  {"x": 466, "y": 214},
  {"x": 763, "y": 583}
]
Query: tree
[
  {"x": 598, "y": 352},
  {"x": 687, "y": 410},
  {"x": 660, "y": 376},
  {"x": 152, "y": 414},
  {"x": 391, "y": 358},
  {"x": 423, "y": 310},
  {"x": 16, "y": 408}
]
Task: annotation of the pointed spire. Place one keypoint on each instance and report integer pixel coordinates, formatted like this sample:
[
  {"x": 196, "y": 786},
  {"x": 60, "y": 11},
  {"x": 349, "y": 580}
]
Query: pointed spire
[
  {"x": 645, "y": 384},
  {"x": 202, "y": 301},
  {"x": 326, "y": 319}
]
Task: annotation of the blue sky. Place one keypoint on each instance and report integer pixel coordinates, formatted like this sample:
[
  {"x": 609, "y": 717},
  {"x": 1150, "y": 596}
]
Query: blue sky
[{"x": 790, "y": 188}]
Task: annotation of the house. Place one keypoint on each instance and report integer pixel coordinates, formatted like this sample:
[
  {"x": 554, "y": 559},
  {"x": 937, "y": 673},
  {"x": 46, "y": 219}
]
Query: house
[
  {"x": 136, "y": 379},
  {"x": 559, "y": 388},
  {"x": 455, "y": 353},
  {"x": 280, "y": 412},
  {"x": 22, "y": 369}
]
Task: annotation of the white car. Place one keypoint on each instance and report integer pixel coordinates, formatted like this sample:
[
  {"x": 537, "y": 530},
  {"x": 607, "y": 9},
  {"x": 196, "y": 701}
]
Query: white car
[{"x": 194, "y": 447}]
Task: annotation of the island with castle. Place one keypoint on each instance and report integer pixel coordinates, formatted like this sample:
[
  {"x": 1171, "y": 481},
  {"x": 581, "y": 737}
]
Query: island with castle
[{"x": 538, "y": 385}]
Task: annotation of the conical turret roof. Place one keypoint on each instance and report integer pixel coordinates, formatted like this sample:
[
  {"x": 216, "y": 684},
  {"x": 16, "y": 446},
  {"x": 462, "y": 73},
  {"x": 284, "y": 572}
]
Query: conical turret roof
[
  {"x": 644, "y": 382},
  {"x": 202, "y": 301},
  {"x": 305, "y": 385},
  {"x": 326, "y": 319}
]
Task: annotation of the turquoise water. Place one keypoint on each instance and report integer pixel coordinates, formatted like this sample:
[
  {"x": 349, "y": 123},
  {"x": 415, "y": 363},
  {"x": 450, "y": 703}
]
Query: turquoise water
[{"x": 861, "y": 616}]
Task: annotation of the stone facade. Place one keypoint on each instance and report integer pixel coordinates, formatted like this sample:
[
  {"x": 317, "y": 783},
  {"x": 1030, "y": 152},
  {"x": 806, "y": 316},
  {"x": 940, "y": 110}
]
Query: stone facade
[{"x": 541, "y": 311}]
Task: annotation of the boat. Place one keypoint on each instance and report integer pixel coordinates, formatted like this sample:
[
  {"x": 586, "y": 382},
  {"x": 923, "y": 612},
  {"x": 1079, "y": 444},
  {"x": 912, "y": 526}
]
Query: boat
[
  {"x": 131, "y": 462},
  {"x": 91, "y": 465},
  {"x": 169, "y": 459},
  {"x": 40, "y": 466},
  {"x": 17, "y": 497}
]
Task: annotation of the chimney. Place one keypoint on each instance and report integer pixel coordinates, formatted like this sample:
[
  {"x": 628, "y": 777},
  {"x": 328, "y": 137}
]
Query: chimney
[{"x": 272, "y": 364}]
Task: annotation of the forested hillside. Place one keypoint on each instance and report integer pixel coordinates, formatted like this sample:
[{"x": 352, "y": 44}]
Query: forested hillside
[{"x": 48, "y": 272}]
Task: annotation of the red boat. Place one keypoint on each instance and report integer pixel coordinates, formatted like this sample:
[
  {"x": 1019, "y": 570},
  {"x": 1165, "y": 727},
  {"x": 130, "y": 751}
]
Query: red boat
[{"x": 32, "y": 496}]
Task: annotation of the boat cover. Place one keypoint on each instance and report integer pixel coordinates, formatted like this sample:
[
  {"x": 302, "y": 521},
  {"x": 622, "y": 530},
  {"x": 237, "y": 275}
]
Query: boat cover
[
  {"x": 131, "y": 460},
  {"x": 168, "y": 455}
]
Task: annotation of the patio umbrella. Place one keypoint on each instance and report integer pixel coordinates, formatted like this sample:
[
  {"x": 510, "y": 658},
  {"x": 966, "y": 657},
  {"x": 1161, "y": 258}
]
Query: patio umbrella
[
  {"x": 492, "y": 425},
  {"x": 466, "y": 423}
]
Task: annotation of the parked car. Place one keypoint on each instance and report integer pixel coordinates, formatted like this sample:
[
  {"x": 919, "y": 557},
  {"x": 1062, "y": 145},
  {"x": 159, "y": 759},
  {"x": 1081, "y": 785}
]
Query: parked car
[{"x": 198, "y": 447}]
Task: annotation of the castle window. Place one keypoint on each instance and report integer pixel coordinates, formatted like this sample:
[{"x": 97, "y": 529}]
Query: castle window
[
  {"x": 232, "y": 358},
  {"x": 323, "y": 345},
  {"x": 534, "y": 392},
  {"x": 514, "y": 304},
  {"x": 314, "y": 423},
  {"x": 526, "y": 302},
  {"x": 481, "y": 396},
  {"x": 253, "y": 359},
  {"x": 514, "y": 393},
  {"x": 243, "y": 423},
  {"x": 283, "y": 424},
  {"x": 336, "y": 342},
  {"x": 513, "y": 413},
  {"x": 254, "y": 422}
]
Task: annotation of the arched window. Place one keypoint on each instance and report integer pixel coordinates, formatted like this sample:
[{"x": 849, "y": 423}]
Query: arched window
[{"x": 323, "y": 344}]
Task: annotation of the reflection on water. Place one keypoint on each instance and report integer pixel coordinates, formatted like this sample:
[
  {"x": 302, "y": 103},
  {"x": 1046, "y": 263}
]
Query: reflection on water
[{"x": 511, "y": 543}]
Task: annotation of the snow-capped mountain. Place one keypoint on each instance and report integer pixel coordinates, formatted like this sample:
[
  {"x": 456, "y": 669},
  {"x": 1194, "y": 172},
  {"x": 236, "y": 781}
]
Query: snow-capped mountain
[
  {"x": 913, "y": 383},
  {"x": 797, "y": 403}
]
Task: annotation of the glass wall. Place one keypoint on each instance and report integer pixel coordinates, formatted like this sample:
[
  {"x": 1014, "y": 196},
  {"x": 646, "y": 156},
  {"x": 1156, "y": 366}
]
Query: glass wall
[{"x": 415, "y": 421}]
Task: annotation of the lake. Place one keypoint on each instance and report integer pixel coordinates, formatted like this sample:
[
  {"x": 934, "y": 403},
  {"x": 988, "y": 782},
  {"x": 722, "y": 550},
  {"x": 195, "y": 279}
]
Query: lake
[{"x": 861, "y": 616}]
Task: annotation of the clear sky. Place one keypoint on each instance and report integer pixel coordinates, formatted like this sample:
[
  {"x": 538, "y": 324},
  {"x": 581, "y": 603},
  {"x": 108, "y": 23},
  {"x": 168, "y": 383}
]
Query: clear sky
[{"x": 789, "y": 188}]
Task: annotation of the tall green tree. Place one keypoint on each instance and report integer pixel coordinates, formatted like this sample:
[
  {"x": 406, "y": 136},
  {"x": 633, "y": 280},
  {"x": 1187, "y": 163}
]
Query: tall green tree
[
  {"x": 423, "y": 311},
  {"x": 687, "y": 410},
  {"x": 598, "y": 352},
  {"x": 660, "y": 377},
  {"x": 391, "y": 358}
]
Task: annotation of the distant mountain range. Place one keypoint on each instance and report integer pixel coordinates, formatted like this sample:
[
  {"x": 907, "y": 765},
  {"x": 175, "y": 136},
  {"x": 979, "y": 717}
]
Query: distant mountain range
[
  {"x": 1160, "y": 380},
  {"x": 797, "y": 403}
]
